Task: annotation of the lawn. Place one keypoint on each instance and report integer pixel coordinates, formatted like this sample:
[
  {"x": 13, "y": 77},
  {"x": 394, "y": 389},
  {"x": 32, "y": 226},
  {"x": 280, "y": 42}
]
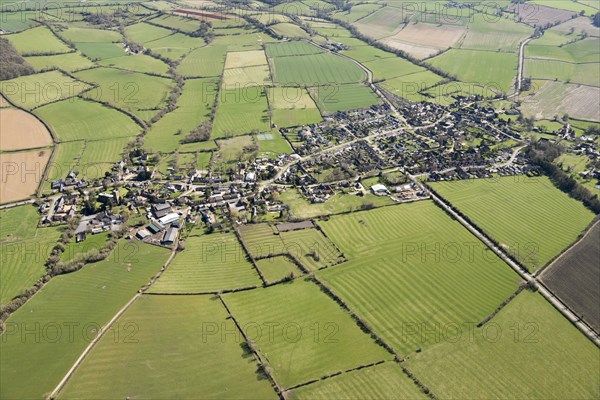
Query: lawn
[
  {"x": 36, "y": 90},
  {"x": 83, "y": 119},
  {"x": 69, "y": 62},
  {"x": 209, "y": 263},
  {"x": 36, "y": 41},
  {"x": 382, "y": 381},
  {"x": 67, "y": 314},
  {"x": 343, "y": 97},
  {"x": 315, "y": 70},
  {"x": 529, "y": 217},
  {"x": 141, "y": 364},
  {"x": 529, "y": 350},
  {"x": 487, "y": 68},
  {"x": 411, "y": 270},
  {"x": 304, "y": 333},
  {"x": 129, "y": 91},
  {"x": 241, "y": 111}
]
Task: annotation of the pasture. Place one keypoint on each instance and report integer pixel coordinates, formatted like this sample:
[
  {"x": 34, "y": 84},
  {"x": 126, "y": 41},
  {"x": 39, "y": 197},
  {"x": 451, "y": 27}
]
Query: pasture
[
  {"x": 410, "y": 86},
  {"x": 84, "y": 300},
  {"x": 101, "y": 51},
  {"x": 445, "y": 275},
  {"x": 486, "y": 33},
  {"x": 22, "y": 173},
  {"x": 137, "y": 63},
  {"x": 240, "y": 111},
  {"x": 289, "y": 30},
  {"x": 527, "y": 335},
  {"x": 292, "y": 106},
  {"x": 315, "y": 70},
  {"x": 242, "y": 59},
  {"x": 77, "y": 118},
  {"x": 582, "y": 51},
  {"x": 175, "y": 45},
  {"x": 90, "y": 35},
  {"x": 68, "y": 62},
  {"x": 277, "y": 268},
  {"x": 209, "y": 263},
  {"x": 143, "y": 33},
  {"x": 294, "y": 48},
  {"x": 382, "y": 381},
  {"x": 36, "y": 41},
  {"x": 529, "y": 217},
  {"x": 140, "y": 364},
  {"x": 310, "y": 335},
  {"x": 20, "y": 130},
  {"x": 311, "y": 248},
  {"x": 203, "y": 62},
  {"x": 343, "y": 97},
  {"x": 242, "y": 78},
  {"x": 392, "y": 67},
  {"x": 33, "y": 91},
  {"x": 585, "y": 74}
]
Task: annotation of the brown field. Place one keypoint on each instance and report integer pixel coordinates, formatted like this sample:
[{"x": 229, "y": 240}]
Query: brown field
[
  {"x": 575, "y": 278},
  {"x": 579, "y": 25},
  {"x": 20, "y": 130},
  {"x": 419, "y": 52},
  {"x": 201, "y": 15},
  {"x": 428, "y": 35},
  {"x": 3, "y": 102},
  {"x": 538, "y": 15},
  {"x": 556, "y": 98},
  {"x": 241, "y": 59},
  {"x": 20, "y": 173}
]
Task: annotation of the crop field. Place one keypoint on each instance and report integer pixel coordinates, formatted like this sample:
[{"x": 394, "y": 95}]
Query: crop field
[
  {"x": 130, "y": 91},
  {"x": 527, "y": 335},
  {"x": 75, "y": 119},
  {"x": 240, "y": 78},
  {"x": 148, "y": 368},
  {"x": 86, "y": 35},
  {"x": 37, "y": 40},
  {"x": 529, "y": 217},
  {"x": 574, "y": 276},
  {"x": 138, "y": 63},
  {"x": 16, "y": 184},
  {"x": 302, "y": 305},
  {"x": 241, "y": 111},
  {"x": 540, "y": 15},
  {"x": 315, "y": 70},
  {"x": 242, "y": 59},
  {"x": 69, "y": 62},
  {"x": 445, "y": 275},
  {"x": 487, "y": 68},
  {"x": 382, "y": 23},
  {"x": 243, "y": 42},
  {"x": 203, "y": 62},
  {"x": 295, "y": 48},
  {"x": 36, "y": 90},
  {"x": 86, "y": 299},
  {"x": 223, "y": 266},
  {"x": 579, "y": 25},
  {"x": 382, "y": 381},
  {"x": 423, "y": 40},
  {"x": 502, "y": 34},
  {"x": 563, "y": 71},
  {"x": 277, "y": 268},
  {"x": 20, "y": 130},
  {"x": 25, "y": 249},
  {"x": 292, "y": 106},
  {"x": 193, "y": 108},
  {"x": 553, "y": 98},
  {"x": 569, "y": 6}
]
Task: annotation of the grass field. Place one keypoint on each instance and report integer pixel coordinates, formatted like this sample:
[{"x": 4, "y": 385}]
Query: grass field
[
  {"x": 83, "y": 35},
  {"x": 193, "y": 108},
  {"x": 84, "y": 300},
  {"x": 101, "y": 51},
  {"x": 412, "y": 86},
  {"x": 343, "y": 97},
  {"x": 315, "y": 70},
  {"x": 73, "y": 249},
  {"x": 203, "y": 62},
  {"x": 223, "y": 265},
  {"x": 69, "y": 62},
  {"x": 486, "y": 68},
  {"x": 291, "y": 106},
  {"x": 139, "y": 364},
  {"x": 289, "y": 30},
  {"x": 138, "y": 63},
  {"x": 529, "y": 217},
  {"x": 310, "y": 336},
  {"x": 143, "y": 33},
  {"x": 311, "y": 248},
  {"x": 294, "y": 48},
  {"x": 581, "y": 51},
  {"x": 36, "y": 90},
  {"x": 382, "y": 381},
  {"x": 501, "y": 34},
  {"x": 241, "y": 111},
  {"x": 37, "y": 40},
  {"x": 240, "y": 78},
  {"x": 83, "y": 119},
  {"x": 563, "y": 71},
  {"x": 130, "y": 91},
  {"x": 277, "y": 268},
  {"x": 389, "y": 68},
  {"x": 174, "y": 46},
  {"x": 241, "y": 59},
  {"x": 529, "y": 350},
  {"x": 411, "y": 267}
]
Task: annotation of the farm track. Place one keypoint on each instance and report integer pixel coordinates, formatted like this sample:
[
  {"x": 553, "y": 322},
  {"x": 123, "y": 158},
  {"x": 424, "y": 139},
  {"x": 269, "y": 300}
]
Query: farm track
[{"x": 523, "y": 273}]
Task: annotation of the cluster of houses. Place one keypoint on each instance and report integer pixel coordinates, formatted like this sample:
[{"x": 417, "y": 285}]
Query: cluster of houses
[
  {"x": 164, "y": 225},
  {"x": 97, "y": 223}
]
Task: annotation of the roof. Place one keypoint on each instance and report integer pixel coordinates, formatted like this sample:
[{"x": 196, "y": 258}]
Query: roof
[
  {"x": 161, "y": 206},
  {"x": 167, "y": 219},
  {"x": 170, "y": 235},
  {"x": 378, "y": 188}
]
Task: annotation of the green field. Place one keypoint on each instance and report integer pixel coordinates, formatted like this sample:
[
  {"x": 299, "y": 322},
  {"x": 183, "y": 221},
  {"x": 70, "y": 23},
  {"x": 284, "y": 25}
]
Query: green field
[
  {"x": 391, "y": 68},
  {"x": 277, "y": 268},
  {"x": 69, "y": 62},
  {"x": 581, "y": 51},
  {"x": 343, "y": 97},
  {"x": 36, "y": 90},
  {"x": 84, "y": 35},
  {"x": 193, "y": 108},
  {"x": 84, "y": 300},
  {"x": 234, "y": 78},
  {"x": 140, "y": 364},
  {"x": 138, "y": 63},
  {"x": 83, "y": 119},
  {"x": 36, "y": 41},
  {"x": 295, "y": 48},
  {"x": 382, "y": 381},
  {"x": 487, "y": 68},
  {"x": 130, "y": 91},
  {"x": 183, "y": 24},
  {"x": 289, "y": 30},
  {"x": 563, "y": 71},
  {"x": 529, "y": 217},
  {"x": 315, "y": 70},
  {"x": 311, "y": 335},
  {"x": 101, "y": 51},
  {"x": 501, "y": 34},
  {"x": 174, "y": 46},
  {"x": 411, "y": 86},
  {"x": 412, "y": 266},
  {"x": 209, "y": 263},
  {"x": 241, "y": 111},
  {"x": 143, "y": 33},
  {"x": 273, "y": 144},
  {"x": 311, "y": 248},
  {"x": 291, "y": 106},
  {"x": 203, "y": 62},
  {"x": 74, "y": 250},
  {"x": 529, "y": 350}
]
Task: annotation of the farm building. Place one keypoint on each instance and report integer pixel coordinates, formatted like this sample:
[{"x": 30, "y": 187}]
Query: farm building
[
  {"x": 168, "y": 218},
  {"x": 379, "y": 190},
  {"x": 170, "y": 236},
  {"x": 160, "y": 210},
  {"x": 142, "y": 234},
  {"x": 155, "y": 227}
]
